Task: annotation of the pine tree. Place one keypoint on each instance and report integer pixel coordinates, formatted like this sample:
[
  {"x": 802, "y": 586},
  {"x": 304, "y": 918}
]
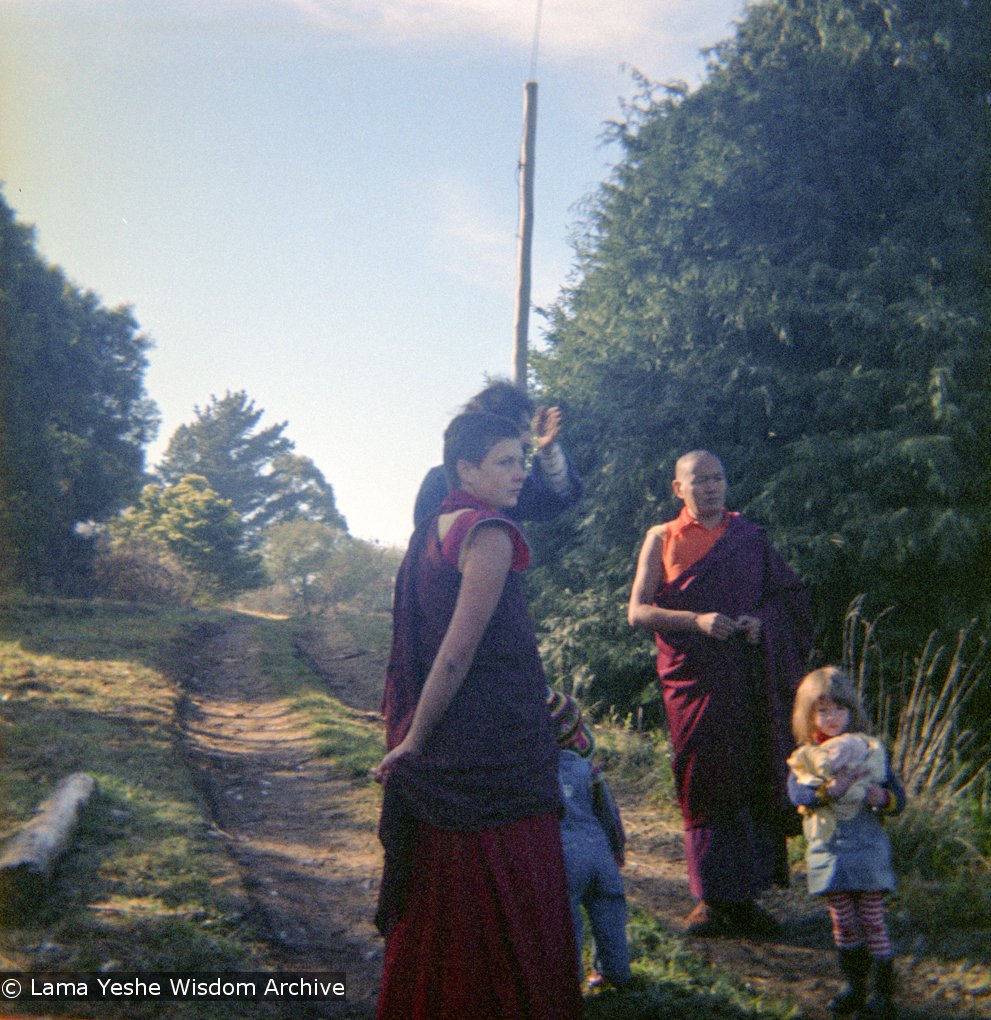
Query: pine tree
[
  {"x": 254, "y": 468},
  {"x": 199, "y": 527}
]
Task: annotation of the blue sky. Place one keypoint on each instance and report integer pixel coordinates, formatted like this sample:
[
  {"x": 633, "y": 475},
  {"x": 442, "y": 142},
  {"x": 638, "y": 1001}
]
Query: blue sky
[{"x": 316, "y": 201}]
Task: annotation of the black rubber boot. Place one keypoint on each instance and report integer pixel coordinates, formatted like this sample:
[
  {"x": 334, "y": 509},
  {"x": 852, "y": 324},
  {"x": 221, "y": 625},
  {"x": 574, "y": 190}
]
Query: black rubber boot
[
  {"x": 881, "y": 1005},
  {"x": 856, "y": 965}
]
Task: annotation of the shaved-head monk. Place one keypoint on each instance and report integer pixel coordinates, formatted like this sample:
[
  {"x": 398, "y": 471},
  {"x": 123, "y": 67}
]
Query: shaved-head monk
[{"x": 733, "y": 630}]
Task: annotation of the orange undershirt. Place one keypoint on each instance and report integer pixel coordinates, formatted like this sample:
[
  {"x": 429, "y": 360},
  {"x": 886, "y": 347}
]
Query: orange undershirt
[{"x": 686, "y": 542}]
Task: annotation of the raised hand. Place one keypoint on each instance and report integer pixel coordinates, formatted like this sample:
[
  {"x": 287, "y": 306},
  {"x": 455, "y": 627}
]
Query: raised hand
[{"x": 546, "y": 426}]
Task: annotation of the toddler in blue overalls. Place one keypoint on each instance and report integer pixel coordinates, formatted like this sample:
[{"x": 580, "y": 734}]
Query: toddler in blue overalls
[{"x": 593, "y": 840}]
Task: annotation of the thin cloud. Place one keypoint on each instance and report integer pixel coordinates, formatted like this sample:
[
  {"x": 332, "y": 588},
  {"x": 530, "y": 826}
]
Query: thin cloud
[
  {"x": 569, "y": 29},
  {"x": 656, "y": 36},
  {"x": 472, "y": 241}
]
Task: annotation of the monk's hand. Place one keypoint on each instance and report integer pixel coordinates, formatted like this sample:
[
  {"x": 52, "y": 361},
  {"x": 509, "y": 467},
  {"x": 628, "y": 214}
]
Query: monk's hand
[
  {"x": 546, "y": 426},
  {"x": 716, "y": 625},
  {"x": 750, "y": 625}
]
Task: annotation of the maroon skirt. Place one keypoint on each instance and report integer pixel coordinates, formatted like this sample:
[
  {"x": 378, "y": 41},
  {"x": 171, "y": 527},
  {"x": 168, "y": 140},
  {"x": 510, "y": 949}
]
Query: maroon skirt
[{"x": 487, "y": 929}]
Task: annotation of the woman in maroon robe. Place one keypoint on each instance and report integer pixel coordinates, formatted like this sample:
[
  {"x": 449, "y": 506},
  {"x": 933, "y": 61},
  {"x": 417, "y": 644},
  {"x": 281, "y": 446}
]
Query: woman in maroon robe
[
  {"x": 474, "y": 901},
  {"x": 733, "y": 629}
]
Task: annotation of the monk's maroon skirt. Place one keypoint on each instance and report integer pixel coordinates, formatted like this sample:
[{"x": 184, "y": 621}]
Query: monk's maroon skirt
[{"x": 486, "y": 932}]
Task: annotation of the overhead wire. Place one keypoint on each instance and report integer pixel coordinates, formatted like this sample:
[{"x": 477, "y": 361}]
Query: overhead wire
[{"x": 536, "y": 40}]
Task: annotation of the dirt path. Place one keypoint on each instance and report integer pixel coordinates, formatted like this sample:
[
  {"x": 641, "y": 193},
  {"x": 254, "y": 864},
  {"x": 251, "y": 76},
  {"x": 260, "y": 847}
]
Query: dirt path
[
  {"x": 303, "y": 838},
  {"x": 800, "y": 965},
  {"x": 305, "y": 841}
]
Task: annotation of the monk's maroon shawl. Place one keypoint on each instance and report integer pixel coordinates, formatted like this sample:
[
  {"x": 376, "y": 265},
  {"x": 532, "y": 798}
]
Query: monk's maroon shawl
[
  {"x": 728, "y": 703},
  {"x": 492, "y": 757}
]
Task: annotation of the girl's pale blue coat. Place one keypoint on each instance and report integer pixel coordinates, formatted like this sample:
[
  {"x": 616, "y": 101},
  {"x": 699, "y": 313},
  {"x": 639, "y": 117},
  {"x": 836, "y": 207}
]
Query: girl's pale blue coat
[{"x": 857, "y": 855}]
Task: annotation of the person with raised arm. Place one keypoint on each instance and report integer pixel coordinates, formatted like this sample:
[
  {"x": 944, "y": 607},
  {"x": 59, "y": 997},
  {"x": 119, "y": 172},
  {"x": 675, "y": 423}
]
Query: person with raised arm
[{"x": 551, "y": 485}]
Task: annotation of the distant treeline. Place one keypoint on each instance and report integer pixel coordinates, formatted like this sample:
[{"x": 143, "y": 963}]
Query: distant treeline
[{"x": 231, "y": 507}]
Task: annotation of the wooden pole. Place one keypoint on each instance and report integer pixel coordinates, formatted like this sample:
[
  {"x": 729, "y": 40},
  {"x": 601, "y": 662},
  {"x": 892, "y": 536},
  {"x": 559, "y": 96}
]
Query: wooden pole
[{"x": 522, "y": 321}]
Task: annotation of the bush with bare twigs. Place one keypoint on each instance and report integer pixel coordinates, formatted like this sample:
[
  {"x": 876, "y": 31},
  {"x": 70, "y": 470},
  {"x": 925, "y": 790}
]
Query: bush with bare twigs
[{"x": 942, "y": 841}]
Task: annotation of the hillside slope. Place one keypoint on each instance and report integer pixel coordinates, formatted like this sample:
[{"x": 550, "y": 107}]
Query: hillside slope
[{"x": 236, "y": 824}]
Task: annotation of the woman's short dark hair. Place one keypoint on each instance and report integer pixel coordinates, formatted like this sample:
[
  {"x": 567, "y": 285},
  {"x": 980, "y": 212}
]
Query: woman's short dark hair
[
  {"x": 501, "y": 397},
  {"x": 470, "y": 436}
]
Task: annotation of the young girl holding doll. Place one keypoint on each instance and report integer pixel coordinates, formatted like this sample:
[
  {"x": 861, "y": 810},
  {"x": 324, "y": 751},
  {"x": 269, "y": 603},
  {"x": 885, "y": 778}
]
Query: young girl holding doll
[{"x": 842, "y": 784}]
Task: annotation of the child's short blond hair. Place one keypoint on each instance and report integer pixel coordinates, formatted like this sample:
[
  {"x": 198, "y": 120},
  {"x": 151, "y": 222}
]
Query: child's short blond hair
[{"x": 826, "y": 682}]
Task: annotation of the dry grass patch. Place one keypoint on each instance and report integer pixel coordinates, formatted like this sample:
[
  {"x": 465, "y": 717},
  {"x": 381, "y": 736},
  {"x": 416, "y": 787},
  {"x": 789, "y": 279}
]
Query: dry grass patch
[{"x": 147, "y": 886}]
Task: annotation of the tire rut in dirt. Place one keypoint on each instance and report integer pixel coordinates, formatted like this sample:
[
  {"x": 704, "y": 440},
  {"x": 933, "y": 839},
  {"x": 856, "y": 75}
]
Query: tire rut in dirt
[{"x": 309, "y": 860}]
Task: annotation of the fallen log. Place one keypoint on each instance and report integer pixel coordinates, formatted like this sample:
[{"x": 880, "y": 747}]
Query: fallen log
[{"x": 30, "y": 855}]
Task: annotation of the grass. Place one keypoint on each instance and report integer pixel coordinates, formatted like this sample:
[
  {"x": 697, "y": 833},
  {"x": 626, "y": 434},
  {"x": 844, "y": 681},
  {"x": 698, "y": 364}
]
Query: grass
[
  {"x": 94, "y": 686},
  {"x": 351, "y": 743},
  {"x": 669, "y": 980},
  {"x": 369, "y": 630},
  {"x": 348, "y": 739},
  {"x": 639, "y": 760}
]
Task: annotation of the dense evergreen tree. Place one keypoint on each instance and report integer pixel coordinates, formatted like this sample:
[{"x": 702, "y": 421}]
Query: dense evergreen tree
[
  {"x": 199, "y": 527},
  {"x": 303, "y": 494},
  {"x": 254, "y": 468},
  {"x": 789, "y": 267},
  {"x": 74, "y": 417}
]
